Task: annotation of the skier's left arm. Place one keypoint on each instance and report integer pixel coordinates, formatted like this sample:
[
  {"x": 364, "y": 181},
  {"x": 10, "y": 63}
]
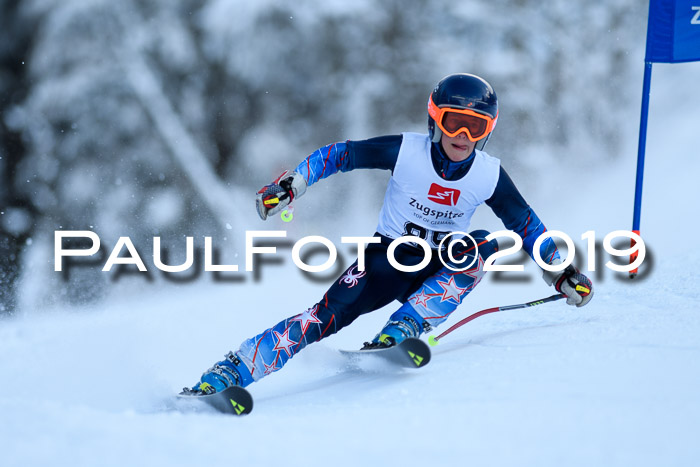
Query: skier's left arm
[{"x": 510, "y": 206}]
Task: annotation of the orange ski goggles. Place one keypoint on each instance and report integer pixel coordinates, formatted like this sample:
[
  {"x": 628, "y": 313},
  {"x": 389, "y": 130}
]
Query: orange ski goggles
[{"x": 452, "y": 122}]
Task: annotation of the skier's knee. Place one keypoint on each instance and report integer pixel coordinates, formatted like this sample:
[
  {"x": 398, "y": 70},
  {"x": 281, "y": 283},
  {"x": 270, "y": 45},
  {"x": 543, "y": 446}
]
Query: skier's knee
[
  {"x": 475, "y": 243},
  {"x": 486, "y": 248}
]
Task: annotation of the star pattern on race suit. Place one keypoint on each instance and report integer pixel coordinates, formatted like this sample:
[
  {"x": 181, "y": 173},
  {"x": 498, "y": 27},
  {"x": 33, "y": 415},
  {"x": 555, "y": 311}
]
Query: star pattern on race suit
[
  {"x": 422, "y": 298},
  {"x": 270, "y": 368},
  {"x": 451, "y": 290},
  {"x": 307, "y": 318},
  {"x": 283, "y": 342},
  {"x": 476, "y": 273}
]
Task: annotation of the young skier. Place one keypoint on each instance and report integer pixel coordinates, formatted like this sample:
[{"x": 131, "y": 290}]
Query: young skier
[{"x": 437, "y": 182}]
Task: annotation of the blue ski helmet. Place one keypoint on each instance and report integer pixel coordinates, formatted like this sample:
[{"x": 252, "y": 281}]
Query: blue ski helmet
[{"x": 463, "y": 91}]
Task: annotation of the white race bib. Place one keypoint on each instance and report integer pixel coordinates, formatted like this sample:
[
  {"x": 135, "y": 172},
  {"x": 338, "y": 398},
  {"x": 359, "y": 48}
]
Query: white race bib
[{"x": 419, "y": 202}]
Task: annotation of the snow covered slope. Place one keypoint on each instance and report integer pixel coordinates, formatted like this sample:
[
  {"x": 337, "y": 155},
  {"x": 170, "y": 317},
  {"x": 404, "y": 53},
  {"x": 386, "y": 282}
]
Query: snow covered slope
[{"x": 614, "y": 383}]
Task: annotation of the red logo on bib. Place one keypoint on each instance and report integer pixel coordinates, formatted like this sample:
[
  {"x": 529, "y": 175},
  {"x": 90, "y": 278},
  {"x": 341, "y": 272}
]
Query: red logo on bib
[{"x": 442, "y": 195}]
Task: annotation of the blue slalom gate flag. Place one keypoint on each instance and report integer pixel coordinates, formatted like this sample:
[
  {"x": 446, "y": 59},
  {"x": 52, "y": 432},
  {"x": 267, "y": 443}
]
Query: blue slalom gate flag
[
  {"x": 673, "y": 36},
  {"x": 673, "y": 31}
]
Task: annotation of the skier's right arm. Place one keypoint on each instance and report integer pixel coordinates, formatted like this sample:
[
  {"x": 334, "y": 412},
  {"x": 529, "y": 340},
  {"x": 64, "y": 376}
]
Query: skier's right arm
[{"x": 375, "y": 153}]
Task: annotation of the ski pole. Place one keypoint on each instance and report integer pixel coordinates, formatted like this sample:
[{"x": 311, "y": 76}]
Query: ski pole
[{"x": 433, "y": 340}]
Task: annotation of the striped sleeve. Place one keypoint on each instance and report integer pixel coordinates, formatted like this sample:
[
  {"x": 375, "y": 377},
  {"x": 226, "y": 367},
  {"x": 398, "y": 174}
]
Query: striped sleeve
[{"x": 375, "y": 153}]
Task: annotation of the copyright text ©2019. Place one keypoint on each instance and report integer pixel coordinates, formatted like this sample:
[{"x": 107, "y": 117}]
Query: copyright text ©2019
[{"x": 251, "y": 249}]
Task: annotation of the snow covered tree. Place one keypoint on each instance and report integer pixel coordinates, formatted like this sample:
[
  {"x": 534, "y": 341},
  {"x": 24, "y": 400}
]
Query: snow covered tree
[{"x": 16, "y": 210}]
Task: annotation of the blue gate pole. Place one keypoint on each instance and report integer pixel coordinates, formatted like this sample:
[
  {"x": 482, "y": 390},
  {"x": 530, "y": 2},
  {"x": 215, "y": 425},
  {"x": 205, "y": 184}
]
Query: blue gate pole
[{"x": 640, "y": 159}]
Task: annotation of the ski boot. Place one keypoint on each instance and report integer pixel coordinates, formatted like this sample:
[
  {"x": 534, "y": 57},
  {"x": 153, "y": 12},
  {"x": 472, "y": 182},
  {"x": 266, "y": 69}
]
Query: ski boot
[
  {"x": 400, "y": 326},
  {"x": 228, "y": 372}
]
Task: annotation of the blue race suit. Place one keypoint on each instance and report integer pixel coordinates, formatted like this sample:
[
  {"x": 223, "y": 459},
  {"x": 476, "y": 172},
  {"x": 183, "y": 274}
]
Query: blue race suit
[{"x": 428, "y": 295}]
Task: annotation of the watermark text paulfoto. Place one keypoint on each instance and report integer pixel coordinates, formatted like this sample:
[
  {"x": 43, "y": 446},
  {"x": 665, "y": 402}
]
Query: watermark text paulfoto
[{"x": 457, "y": 240}]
